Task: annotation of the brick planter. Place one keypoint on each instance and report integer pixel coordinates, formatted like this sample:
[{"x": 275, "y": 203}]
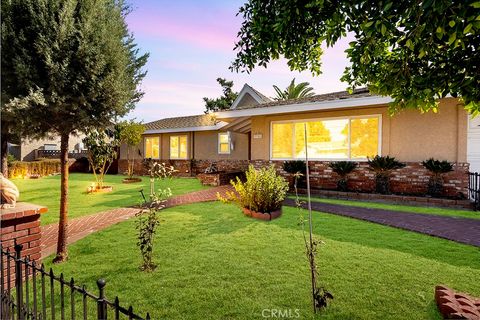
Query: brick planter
[
  {"x": 219, "y": 178},
  {"x": 131, "y": 180},
  {"x": 262, "y": 216}
]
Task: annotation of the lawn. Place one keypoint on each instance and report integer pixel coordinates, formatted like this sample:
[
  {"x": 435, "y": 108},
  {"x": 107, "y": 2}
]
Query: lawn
[
  {"x": 46, "y": 192},
  {"x": 397, "y": 207},
  {"x": 215, "y": 263}
]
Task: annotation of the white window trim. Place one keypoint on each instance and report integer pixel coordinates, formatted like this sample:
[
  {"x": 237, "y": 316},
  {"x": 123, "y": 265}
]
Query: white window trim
[
  {"x": 229, "y": 142},
  {"x": 170, "y": 148},
  {"x": 145, "y": 147},
  {"x": 349, "y": 118}
]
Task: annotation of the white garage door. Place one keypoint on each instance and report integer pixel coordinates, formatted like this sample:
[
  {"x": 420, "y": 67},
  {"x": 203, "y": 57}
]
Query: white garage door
[{"x": 473, "y": 144}]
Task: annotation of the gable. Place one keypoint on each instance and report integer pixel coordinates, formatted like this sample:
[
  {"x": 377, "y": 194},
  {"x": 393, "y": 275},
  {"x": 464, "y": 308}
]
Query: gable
[{"x": 247, "y": 100}]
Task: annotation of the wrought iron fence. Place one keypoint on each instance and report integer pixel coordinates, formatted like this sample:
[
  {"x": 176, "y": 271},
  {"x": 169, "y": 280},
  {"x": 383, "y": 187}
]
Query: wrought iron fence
[
  {"x": 28, "y": 291},
  {"x": 474, "y": 189}
]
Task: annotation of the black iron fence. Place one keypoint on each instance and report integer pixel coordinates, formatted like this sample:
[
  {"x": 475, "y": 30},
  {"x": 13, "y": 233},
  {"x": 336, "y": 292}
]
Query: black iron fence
[
  {"x": 474, "y": 189},
  {"x": 28, "y": 291},
  {"x": 55, "y": 154}
]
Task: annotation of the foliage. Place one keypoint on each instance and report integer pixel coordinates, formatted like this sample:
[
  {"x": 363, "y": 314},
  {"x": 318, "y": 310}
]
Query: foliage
[
  {"x": 295, "y": 166},
  {"x": 343, "y": 168},
  {"x": 23, "y": 169},
  {"x": 415, "y": 52},
  {"x": 263, "y": 191},
  {"x": 162, "y": 172},
  {"x": 438, "y": 168},
  {"x": 102, "y": 150},
  {"x": 223, "y": 102},
  {"x": 383, "y": 166},
  {"x": 294, "y": 91},
  {"x": 10, "y": 159},
  {"x": 130, "y": 134}
]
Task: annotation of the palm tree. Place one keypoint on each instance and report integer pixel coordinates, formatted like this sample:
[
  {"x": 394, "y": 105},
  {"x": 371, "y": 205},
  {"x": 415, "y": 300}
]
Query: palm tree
[{"x": 294, "y": 91}]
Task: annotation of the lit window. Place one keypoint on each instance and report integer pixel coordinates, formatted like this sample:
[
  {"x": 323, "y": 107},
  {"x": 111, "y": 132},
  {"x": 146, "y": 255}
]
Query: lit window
[
  {"x": 152, "y": 147},
  {"x": 224, "y": 143},
  {"x": 178, "y": 147},
  {"x": 334, "y": 139}
]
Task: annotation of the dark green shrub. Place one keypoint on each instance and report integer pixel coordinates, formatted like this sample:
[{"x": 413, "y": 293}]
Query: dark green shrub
[
  {"x": 383, "y": 166},
  {"x": 342, "y": 168},
  {"x": 295, "y": 166},
  {"x": 437, "y": 168}
]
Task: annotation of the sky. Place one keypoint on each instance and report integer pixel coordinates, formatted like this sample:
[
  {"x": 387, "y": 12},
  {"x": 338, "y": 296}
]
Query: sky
[{"x": 191, "y": 45}]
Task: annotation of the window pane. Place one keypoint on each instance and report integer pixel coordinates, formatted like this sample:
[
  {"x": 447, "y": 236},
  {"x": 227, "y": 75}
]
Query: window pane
[
  {"x": 223, "y": 137},
  {"x": 174, "y": 147},
  {"x": 327, "y": 139},
  {"x": 183, "y": 147},
  {"x": 364, "y": 137},
  {"x": 282, "y": 140},
  {"x": 224, "y": 148},
  {"x": 152, "y": 147}
]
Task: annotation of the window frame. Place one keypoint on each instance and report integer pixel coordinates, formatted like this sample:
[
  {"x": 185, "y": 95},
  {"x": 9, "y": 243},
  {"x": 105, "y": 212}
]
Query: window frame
[
  {"x": 170, "y": 146},
  {"x": 229, "y": 142},
  {"x": 349, "y": 118},
  {"x": 145, "y": 147}
]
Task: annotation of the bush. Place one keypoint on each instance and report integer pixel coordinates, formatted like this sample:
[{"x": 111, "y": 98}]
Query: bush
[
  {"x": 263, "y": 191},
  {"x": 383, "y": 166},
  {"x": 22, "y": 169},
  {"x": 295, "y": 166},
  {"x": 342, "y": 168},
  {"x": 437, "y": 168}
]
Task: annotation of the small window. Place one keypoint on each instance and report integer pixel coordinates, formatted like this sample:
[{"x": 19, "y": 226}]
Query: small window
[
  {"x": 152, "y": 147},
  {"x": 178, "y": 147},
  {"x": 224, "y": 143}
]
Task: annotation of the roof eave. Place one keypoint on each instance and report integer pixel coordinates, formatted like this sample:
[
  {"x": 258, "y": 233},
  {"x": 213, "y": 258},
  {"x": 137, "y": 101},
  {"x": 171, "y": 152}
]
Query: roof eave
[{"x": 218, "y": 126}]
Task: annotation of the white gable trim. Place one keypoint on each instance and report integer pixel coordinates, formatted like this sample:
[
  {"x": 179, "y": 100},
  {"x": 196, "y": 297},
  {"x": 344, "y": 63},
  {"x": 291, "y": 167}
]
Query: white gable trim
[
  {"x": 308, "y": 106},
  {"x": 218, "y": 126},
  {"x": 246, "y": 89}
]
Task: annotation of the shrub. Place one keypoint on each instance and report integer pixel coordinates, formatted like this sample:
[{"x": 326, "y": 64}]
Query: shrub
[
  {"x": 437, "y": 168},
  {"x": 263, "y": 191},
  {"x": 295, "y": 166},
  {"x": 383, "y": 166},
  {"x": 22, "y": 169},
  {"x": 342, "y": 168}
]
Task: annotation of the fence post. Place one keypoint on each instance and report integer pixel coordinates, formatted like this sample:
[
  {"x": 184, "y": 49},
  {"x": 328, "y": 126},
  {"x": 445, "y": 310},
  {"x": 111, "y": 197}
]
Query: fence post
[
  {"x": 18, "y": 280},
  {"x": 101, "y": 303}
]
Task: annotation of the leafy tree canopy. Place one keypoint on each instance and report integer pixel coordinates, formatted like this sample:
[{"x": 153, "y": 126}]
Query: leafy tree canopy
[
  {"x": 294, "y": 91},
  {"x": 225, "y": 101},
  {"x": 415, "y": 52}
]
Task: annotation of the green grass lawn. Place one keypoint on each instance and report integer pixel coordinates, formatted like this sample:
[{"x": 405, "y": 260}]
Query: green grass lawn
[
  {"x": 397, "y": 207},
  {"x": 215, "y": 263},
  {"x": 46, "y": 192}
]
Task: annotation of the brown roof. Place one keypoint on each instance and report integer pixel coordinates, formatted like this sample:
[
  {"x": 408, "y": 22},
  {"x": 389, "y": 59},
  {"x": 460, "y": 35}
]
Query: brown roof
[
  {"x": 357, "y": 93},
  {"x": 202, "y": 120}
]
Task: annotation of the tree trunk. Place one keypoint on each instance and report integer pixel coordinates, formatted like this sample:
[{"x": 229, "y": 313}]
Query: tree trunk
[
  {"x": 63, "y": 223},
  {"x": 4, "y": 157}
]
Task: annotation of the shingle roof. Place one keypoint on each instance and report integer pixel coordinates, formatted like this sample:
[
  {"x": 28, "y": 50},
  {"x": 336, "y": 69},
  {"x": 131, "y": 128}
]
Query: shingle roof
[
  {"x": 357, "y": 93},
  {"x": 203, "y": 120}
]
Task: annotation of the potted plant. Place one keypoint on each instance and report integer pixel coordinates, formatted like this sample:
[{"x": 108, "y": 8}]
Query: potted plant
[
  {"x": 130, "y": 135},
  {"x": 261, "y": 195},
  {"x": 296, "y": 168},
  {"x": 383, "y": 167},
  {"x": 437, "y": 168},
  {"x": 342, "y": 168}
]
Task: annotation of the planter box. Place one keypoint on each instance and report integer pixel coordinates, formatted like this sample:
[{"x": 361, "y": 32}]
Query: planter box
[
  {"x": 262, "y": 216},
  {"x": 219, "y": 178}
]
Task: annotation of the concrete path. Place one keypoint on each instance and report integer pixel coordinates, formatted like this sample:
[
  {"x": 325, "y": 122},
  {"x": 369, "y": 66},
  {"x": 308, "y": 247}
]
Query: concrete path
[{"x": 461, "y": 230}]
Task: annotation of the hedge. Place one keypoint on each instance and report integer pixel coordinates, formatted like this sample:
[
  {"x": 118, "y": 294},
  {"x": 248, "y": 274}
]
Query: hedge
[{"x": 21, "y": 169}]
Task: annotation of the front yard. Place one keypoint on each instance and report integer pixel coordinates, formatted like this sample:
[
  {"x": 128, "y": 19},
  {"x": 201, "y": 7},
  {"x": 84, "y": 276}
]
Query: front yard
[
  {"x": 215, "y": 263},
  {"x": 46, "y": 192}
]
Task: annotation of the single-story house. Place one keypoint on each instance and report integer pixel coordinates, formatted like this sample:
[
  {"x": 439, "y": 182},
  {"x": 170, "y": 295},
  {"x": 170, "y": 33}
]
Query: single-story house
[{"x": 340, "y": 126}]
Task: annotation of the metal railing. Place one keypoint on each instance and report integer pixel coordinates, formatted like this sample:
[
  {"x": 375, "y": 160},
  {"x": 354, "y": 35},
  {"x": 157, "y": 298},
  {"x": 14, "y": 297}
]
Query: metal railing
[
  {"x": 28, "y": 291},
  {"x": 55, "y": 154},
  {"x": 474, "y": 189}
]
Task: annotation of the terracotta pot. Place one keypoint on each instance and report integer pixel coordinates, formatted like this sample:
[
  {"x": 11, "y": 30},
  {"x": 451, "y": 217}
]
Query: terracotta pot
[
  {"x": 262, "y": 216},
  {"x": 131, "y": 180}
]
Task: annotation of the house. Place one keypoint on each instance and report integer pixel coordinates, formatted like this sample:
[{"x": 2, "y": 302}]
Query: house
[
  {"x": 33, "y": 149},
  {"x": 340, "y": 126}
]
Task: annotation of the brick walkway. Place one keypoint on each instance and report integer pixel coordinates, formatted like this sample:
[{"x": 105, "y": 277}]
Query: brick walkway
[
  {"x": 461, "y": 230},
  {"x": 81, "y": 227}
]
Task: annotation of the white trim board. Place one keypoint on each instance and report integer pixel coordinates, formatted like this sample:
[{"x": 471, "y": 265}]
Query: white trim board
[{"x": 218, "y": 126}]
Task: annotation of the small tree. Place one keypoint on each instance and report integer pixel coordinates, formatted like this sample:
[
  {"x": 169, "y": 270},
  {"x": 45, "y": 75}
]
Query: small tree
[
  {"x": 437, "y": 168},
  {"x": 294, "y": 91},
  {"x": 342, "y": 168},
  {"x": 102, "y": 150},
  {"x": 225, "y": 101},
  {"x": 130, "y": 134},
  {"x": 383, "y": 167}
]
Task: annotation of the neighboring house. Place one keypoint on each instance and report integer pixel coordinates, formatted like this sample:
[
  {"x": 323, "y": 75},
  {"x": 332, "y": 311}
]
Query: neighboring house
[
  {"x": 32, "y": 149},
  {"x": 340, "y": 126}
]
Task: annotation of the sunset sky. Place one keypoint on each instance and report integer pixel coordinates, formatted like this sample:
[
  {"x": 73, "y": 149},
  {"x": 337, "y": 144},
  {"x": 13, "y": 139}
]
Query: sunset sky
[{"x": 191, "y": 44}]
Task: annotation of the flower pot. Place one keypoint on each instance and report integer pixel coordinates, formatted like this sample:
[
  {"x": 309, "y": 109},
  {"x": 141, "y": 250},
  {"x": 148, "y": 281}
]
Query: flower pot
[
  {"x": 131, "y": 180},
  {"x": 262, "y": 216}
]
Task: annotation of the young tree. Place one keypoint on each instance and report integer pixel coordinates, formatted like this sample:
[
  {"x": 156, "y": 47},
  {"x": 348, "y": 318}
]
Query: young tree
[
  {"x": 225, "y": 101},
  {"x": 294, "y": 91},
  {"x": 83, "y": 58},
  {"x": 413, "y": 51},
  {"x": 130, "y": 135}
]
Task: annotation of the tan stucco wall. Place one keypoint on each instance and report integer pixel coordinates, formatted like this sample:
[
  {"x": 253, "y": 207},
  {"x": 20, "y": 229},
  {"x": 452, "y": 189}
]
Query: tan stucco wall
[
  {"x": 28, "y": 146},
  {"x": 408, "y": 136}
]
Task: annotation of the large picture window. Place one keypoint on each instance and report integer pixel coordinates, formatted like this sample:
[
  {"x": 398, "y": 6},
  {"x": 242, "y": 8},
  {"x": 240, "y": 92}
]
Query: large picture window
[
  {"x": 178, "y": 147},
  {"x": 152, "y": 147},
  {"x": 330, "y": 139}
]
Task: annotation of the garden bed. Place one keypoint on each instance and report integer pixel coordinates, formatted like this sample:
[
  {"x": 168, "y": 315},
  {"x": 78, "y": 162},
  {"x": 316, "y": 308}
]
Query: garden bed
[
  {"x": 131, "y": 180},
  {"x": 219, "y": 178},
  {"x": 262, "y": 216}
]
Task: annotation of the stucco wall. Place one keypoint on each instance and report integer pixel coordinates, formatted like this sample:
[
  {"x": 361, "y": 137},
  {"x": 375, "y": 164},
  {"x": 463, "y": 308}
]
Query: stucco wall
[
  {"x": 408, "y": 136},
  {"x": 28, "y": 146}
]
